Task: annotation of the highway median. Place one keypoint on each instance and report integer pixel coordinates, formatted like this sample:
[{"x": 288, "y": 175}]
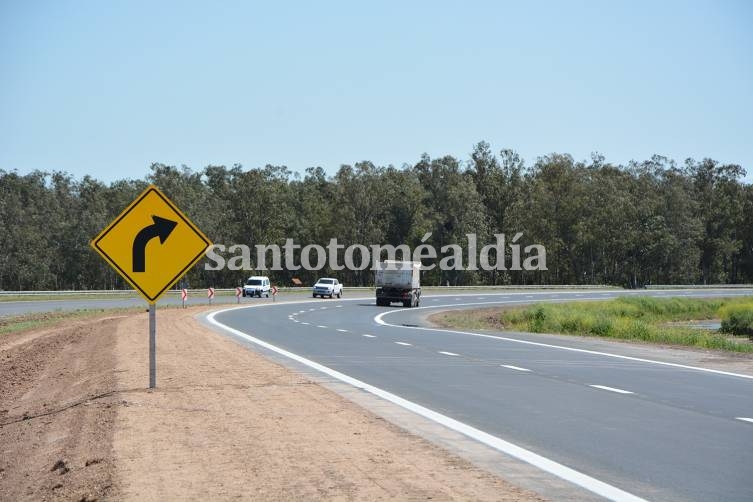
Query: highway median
[{"x": 665, "y": 321}]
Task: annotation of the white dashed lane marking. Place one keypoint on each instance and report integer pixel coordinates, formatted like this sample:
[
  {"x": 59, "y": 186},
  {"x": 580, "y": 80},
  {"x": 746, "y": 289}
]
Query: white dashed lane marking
[
  {"x": 342, "y": 330},
  {"x": 516, "y": 368},
  {"x": 369, "y": 336},
  {"x": 448, "y": 353},
  {"x": 745, "y": 419},
  {"x": 611, "y": 389},
  {"x": 404, "y": 343}
]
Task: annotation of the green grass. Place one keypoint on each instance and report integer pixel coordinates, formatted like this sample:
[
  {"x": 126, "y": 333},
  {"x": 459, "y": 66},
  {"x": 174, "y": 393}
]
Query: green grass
[
  {"x": 641, "y": 318},
  {"x": 737, "y": 319}
]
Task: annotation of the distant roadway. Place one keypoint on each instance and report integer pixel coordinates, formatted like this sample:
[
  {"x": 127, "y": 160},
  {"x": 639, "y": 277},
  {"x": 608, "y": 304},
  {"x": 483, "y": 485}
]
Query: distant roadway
[{"x": 19, "y": 307}]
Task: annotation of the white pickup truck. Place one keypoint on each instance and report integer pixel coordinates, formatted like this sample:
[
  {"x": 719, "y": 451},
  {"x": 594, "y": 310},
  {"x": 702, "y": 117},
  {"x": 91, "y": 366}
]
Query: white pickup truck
[{"x": 328, "y": 287}]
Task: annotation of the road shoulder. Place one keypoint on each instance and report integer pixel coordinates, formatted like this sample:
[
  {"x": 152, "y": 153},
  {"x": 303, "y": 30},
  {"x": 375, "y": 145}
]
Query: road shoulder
[{"x": 226, "y": 422}]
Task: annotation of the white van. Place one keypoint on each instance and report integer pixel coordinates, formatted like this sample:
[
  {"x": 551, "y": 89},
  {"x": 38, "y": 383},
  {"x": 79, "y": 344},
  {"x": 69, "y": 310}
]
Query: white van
[{"x": 257, "y": 285}]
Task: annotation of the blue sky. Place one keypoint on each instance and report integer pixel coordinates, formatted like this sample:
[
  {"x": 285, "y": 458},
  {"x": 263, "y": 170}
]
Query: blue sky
[{"x": 106, "y": 88}]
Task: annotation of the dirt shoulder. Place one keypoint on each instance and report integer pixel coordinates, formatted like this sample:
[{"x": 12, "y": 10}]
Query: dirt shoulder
[
  {"x": 224, "y": 423},
  {"x": 57, "y": 415}
]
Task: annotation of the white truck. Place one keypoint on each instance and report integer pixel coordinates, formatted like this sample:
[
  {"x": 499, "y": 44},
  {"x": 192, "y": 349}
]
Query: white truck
[
  {"x": 327, "y": 287},
  {"x": 257, "y": 285},
  {"x": 398, "y": 281}
]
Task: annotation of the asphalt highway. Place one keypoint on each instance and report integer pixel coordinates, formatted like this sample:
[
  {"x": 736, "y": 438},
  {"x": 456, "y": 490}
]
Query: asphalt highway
[{"x": 621, "y": 426}]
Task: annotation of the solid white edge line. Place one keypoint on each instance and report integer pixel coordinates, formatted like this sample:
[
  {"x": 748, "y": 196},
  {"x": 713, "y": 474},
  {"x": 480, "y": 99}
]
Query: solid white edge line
[
  {"x": 516, "y": 368},
  {"x": 611, "y": 389},
  {"x": 577, "y": 478},
  {"x": 379, "y": 320},
  {"x": 745, "y": 419}
]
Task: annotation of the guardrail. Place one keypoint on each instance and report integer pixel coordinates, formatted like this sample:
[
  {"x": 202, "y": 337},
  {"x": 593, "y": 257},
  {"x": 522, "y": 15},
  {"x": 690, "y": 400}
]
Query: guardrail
[
  {"x": 124, "y": 292},
  {"x": 700, "y": 286}
]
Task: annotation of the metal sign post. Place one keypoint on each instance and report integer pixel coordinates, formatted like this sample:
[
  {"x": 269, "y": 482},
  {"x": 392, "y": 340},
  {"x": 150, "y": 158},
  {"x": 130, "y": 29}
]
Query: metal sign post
[
  {"x": 152, "y": 345},
  {"x": 151, "y": 244}
]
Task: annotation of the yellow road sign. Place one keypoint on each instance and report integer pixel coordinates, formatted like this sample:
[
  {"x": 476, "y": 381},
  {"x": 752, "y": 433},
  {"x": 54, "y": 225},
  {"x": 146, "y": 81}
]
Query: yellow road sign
[{"x": 151, "y": 244}]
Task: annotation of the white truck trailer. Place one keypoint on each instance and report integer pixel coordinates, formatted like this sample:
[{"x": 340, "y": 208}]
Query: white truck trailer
[{"x": 398, "y": 281}]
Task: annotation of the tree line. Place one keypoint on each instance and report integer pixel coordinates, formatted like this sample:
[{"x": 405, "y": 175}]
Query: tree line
[{"x": 650, "y": 222}]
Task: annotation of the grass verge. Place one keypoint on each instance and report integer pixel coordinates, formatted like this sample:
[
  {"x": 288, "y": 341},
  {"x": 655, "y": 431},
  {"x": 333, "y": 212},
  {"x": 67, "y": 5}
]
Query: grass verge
[
  {"x": 25, "y": 322},
  {"x": 643, "y": 319}
]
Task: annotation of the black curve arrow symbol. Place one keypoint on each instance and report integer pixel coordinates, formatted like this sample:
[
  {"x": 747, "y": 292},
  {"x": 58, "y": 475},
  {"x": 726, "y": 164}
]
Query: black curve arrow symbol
[{"x": 161, "y": 228}]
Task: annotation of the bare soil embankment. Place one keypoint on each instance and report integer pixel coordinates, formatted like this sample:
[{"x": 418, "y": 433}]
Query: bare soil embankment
[{"x": 224, "y": 423}]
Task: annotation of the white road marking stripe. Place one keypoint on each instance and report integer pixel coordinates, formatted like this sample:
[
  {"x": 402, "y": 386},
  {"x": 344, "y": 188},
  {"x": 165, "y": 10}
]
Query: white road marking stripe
[
  {"x": 369, "y": 336},
  {"x": 562, "y": 471},
  {"x": 322, "y": 308},
  {"x": 404, "y": 343},
  {"x": 338, "y": 306},
  {"x": 311, "y": 310},
  {"x": 320, "y": 326},
  {"x": 611, "y": 389},
  {"x": 529, "y": 296},
  {"x": 516, "y": 368},
  {"x": 448, "y": 353},
  {"x": 306, "y": 323},
  {"x": 379, "y": 320},
  {"x": 745, "y": 419},
  {"x": 342, "y": 330}
]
